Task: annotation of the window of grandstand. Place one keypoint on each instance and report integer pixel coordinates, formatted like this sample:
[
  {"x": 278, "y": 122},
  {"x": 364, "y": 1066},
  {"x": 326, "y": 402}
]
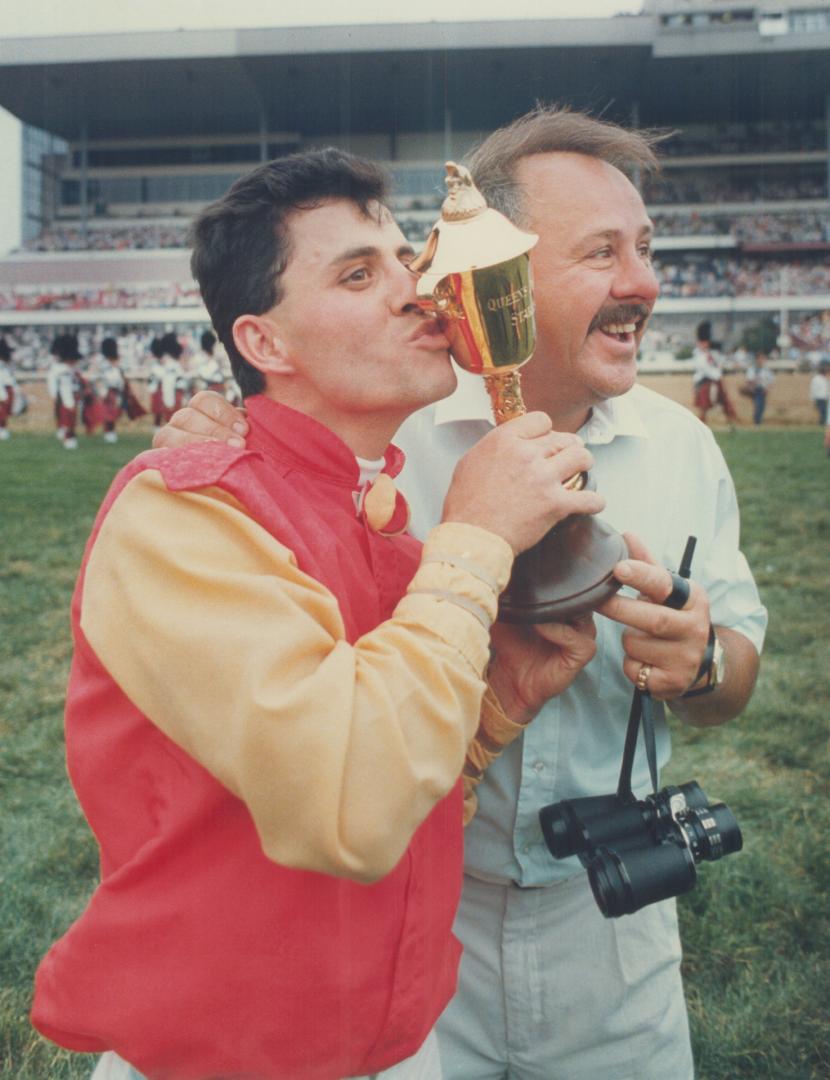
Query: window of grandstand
[
  {"x": 216, "y": 151},
  {"x": 201, "y": 187},
  {"x": 42, "y": 154},
  {"x": 740, "y": 17},
  {"x": 773, "y": 24},
  {"x": 167, "y": 155},
  {"x": 116, "y": 189},
  {"x": 417, "y": 186},
  {"x": 197, "y": 187},
  {"x": 810, "y": 22}
]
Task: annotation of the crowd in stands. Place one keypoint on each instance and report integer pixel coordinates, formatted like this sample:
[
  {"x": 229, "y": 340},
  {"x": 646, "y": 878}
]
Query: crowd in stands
[
  {"x": 809, "y": 226},
  {"x": 799, "y": 228},
  {"x": 66, "y": 298},
  {"x": 811, "y": 335},
  {"x": 792, "y": 137},
  {"x": 115, "y": 237},
  {"x": 716, "y": 186},
  {"x": 710, "y": 275},
  {"x": 804, "y": 227},
  {"x": 135, "y": 237},
  {"x": 681, "y": 275},
  {"x": 692, "y": 224}
]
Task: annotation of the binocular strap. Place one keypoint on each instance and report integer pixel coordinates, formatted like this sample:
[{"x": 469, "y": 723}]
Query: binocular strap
[
  {"x": 643, "y": 707},
  {"x": 643, "y": 711}
]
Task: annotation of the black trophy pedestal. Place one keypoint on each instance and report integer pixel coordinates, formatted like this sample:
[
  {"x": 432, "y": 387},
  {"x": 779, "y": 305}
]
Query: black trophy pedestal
[{"x": 568, "y": 573}]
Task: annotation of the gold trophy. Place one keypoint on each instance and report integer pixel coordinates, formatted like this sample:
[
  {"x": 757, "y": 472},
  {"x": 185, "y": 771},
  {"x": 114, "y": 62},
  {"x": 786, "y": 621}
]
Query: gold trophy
[{"x": 474, "y": 273}]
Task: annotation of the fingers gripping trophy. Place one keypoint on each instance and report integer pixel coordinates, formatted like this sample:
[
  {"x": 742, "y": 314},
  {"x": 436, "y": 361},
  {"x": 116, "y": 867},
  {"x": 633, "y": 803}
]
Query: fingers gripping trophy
[{"x": 475, "y": 274}]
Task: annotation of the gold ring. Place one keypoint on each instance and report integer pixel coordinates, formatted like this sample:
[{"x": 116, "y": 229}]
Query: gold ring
[
  {"x": 577, "y": 482},
  {"x": 642, "y": 678}
]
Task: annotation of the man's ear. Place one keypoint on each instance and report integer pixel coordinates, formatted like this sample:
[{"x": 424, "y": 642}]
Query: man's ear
[{"x": 258, "y": 339}]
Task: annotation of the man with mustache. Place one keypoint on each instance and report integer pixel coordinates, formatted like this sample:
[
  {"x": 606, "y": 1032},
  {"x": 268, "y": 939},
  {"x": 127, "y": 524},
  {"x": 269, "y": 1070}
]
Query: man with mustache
[{"x": 548, "y": 988}]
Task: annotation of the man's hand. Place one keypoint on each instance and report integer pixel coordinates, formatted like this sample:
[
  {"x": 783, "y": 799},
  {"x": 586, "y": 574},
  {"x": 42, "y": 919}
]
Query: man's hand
[
  {"x": 511, "y": 482},
  {"x": 672, "y": 643},
  {"x": 206, "y": 417},
  {"x": 535, "y": 663}
]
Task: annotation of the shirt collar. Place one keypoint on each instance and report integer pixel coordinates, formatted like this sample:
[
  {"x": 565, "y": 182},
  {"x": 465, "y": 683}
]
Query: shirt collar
[
  {"x": 608, "y": 419},
  {"x": 613, "y": 417}
]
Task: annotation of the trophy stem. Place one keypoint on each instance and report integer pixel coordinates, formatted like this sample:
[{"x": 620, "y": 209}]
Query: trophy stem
[
  {"x": 506, "y": 400},
  {"x": 505, "y": 393}
]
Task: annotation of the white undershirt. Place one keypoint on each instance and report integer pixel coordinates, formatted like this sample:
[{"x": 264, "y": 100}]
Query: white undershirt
[{"x": 369, "y": 470}]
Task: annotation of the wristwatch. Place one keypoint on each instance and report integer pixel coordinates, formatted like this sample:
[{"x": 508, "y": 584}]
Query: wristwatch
[{"x": 713, "y": 666}]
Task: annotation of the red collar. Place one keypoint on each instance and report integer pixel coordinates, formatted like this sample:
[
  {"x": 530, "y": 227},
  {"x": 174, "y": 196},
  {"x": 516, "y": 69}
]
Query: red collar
[{"x": 282, "y": 432}]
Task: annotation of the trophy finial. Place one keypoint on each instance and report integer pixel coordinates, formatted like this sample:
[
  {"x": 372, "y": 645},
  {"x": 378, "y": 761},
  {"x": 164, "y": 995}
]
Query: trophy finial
[
  {"x": 463, "y": 200},
  {"x": 468, "y": 235}
]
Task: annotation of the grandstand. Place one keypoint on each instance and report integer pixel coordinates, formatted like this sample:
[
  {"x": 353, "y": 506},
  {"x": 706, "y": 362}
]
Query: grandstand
[{"x": 126, "y": 136}]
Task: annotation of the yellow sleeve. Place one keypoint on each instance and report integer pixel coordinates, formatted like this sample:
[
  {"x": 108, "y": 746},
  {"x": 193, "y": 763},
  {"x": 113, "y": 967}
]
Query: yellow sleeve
[{"x": 339, "y": 751}]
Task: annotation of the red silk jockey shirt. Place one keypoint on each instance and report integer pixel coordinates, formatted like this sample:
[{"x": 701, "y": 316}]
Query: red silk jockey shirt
[{"x": 198, "y": 956}]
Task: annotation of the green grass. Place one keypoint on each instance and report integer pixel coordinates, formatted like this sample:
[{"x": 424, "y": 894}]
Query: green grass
[
  {"x": 755, "y": 929},
  {"x": 49, "y": 863}
]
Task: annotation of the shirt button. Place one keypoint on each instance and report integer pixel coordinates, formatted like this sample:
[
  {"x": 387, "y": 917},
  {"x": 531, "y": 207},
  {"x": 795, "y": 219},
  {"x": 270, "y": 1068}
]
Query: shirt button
[
  {"x": 538, "y": 766},
  {"x": 526, "y": 849}
]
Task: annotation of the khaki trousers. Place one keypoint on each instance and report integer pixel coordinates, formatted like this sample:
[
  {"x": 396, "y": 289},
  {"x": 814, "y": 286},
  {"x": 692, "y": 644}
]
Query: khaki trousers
[{"x": 552, "y": 990}]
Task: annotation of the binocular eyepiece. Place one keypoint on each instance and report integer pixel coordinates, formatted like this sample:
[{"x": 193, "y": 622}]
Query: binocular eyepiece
[{"x": 639, "y": 851}]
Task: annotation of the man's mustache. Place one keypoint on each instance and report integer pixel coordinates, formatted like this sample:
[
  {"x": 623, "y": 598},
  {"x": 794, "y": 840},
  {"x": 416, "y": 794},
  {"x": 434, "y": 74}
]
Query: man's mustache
[{"x": 619, "y": 315}]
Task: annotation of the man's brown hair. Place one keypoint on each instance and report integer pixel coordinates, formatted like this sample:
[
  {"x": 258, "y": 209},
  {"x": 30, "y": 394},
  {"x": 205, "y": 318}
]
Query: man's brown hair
[
  {"x": 549, "y": 129},
  {"x": 242, "y": 243}
]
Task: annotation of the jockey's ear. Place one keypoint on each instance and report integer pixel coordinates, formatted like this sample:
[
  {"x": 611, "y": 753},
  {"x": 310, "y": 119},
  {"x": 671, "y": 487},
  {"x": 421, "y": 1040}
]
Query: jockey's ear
[{"x": 258, "y": 339}]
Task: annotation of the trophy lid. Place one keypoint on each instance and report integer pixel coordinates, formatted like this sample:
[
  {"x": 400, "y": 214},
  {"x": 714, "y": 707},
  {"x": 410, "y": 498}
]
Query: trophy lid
[{"x": 468, "y": 235}]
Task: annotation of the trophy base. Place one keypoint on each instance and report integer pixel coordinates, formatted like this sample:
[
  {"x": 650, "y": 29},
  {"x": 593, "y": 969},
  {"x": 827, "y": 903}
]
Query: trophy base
[{"x": 567, "y": 574}]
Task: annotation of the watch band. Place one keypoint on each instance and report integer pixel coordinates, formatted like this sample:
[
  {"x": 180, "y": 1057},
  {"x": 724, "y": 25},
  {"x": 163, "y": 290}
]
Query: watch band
[{"x": 706, "y": 668}]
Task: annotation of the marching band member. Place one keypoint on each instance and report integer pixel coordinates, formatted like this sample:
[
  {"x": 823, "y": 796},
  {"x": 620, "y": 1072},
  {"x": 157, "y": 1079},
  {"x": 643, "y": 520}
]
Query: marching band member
[{"x": 8, "y": 389}]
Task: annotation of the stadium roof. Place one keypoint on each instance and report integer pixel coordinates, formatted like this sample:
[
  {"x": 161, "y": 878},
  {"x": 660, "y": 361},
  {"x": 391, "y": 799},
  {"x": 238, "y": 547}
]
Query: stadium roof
[{"x": 406, "y": 78}]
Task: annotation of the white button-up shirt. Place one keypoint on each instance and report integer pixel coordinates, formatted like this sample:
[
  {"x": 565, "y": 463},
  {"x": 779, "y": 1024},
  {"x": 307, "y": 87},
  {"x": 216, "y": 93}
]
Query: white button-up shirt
[{"x": 664, "y": 478}]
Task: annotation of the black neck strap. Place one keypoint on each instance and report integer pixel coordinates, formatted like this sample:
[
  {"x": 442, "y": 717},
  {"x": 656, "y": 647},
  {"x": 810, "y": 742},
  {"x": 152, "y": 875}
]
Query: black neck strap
[{"x": 644, "y": 709}]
